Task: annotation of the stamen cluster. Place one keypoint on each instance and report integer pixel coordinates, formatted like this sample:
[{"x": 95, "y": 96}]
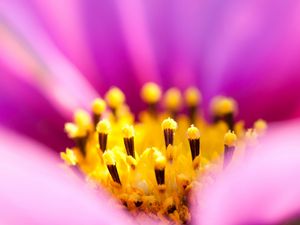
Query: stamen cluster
[{"x": 151, "y": 164}]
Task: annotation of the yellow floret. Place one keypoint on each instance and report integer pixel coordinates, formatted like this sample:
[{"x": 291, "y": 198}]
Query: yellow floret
[
  {"x": 128, "y": 131},
  {"x": 103, "y": 127},
  {"x": 115, "y": 97},
  {"x": 151, "y": 93},
  {"x": 193, "y": 132},
  {"x": 172, "y": 99},
  {"x": 230, "y": 139},
  {"x": 192, "y": 96},
  {"x": 169, "y": 124},
  {"x": 69, "y": 157},
  {"x": 98, "y": 106}
]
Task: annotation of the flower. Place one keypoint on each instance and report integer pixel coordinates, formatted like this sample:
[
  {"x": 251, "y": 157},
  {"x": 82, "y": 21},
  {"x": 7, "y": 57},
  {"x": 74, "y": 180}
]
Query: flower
[
  {"x": 44, "y": 58},
  {"x": 264, "y": 189}
]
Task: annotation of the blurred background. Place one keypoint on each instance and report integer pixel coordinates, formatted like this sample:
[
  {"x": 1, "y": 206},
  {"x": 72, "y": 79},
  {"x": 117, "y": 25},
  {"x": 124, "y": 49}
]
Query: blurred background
[{"x": 57, "y": 56}]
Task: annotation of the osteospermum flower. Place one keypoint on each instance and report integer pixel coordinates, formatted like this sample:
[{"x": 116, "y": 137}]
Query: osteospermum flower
[
  {"x": 247, "y": 50},
  {"x": 150, "y": 165}
]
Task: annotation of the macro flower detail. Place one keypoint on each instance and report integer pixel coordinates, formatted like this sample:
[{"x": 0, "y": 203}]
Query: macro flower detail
[{"x": 152, "y": 163}]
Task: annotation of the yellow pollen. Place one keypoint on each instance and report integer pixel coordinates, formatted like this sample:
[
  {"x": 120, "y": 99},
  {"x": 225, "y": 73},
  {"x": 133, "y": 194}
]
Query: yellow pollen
[
  {"x": 172, "y": 99},
  {"x": 222, "y": 105},
  {"x": 193, "y": 132},
  {"x": 230, "y": 139},
  {"x": 143, "y": 163},
  {"x": 192, "y": 96},
  {"x": 151, "y": 93},
  {"x": 115, "y": 98},
  {"x": 128, "y": 131},
  {"x": 103, "y": 127},
  {"x": 169, "y": 124},
  {"x": 260, "y": 126},
  {"x": 98, "y": 106}
]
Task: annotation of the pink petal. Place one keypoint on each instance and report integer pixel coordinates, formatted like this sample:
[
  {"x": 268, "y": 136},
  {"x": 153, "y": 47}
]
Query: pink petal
[
  {"x": 30, "y": 53},
  {"x": 265, "y": 189},
  {"x": 35, "y": 189}
]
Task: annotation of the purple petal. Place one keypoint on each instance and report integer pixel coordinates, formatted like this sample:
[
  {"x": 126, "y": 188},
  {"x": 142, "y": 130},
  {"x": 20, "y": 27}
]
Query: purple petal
[
  {"x": 264, "y": 189},
  {"x": 36, "y": 190}
]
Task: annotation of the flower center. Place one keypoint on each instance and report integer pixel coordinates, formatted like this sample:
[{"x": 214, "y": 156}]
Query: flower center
[{"x": 152, "y": 164}]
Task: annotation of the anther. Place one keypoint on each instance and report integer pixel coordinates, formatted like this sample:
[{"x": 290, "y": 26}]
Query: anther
[
  {"x": 103, "y": 128},
  {"x": 194, "y": 141},
  {"x": 128, "y": 133},
  {"x": 151, "y": 94},
  {"x": 115, "y": 98},
  {"x": 160, "y": 165},
  {"x": 110, "y": 161},
  {"x": 224, "y": 109},
  {"x": 169, "y": 127},
  {"x": 192, "y": 98},
  {"x": 98, "y": 107},
  {"x": 172, "y": 101},
  {"x": 229, "y": 146}
]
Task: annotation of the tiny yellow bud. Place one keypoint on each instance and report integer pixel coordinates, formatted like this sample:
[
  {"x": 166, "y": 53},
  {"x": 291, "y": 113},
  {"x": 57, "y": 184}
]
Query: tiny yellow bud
[
  {"x": 230, "y": 139},
  {"x": 260, "y": 126},
  {"x": 109, "y": 157},
  {"x": 128, "y": 131},
  {"x": 115, "y": 97},
  {"x": 172, "y": 99},
  {"x": 103, "y": 127},
  {"x": 160, "y": 162},
  {"x": 151, "y": 93},
  {"x": 98, "y": 106},
  {"x": 192, "y": 96},
  {"x": 169, "y": 124},
  {"x": 193, "y": 132}
]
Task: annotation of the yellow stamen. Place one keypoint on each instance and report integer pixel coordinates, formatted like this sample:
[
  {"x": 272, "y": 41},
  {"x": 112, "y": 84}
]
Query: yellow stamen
[
  {"x": 103, "y": 127},
  {"x": 98, "y": 106},
  {"x": 115, "y": 98},
  {"x": 169, "y": 124},
  {"x": 151, "y": 93},
  {"x": 128, "y": 131},
  {"x": 222, "y": 105},
  {"x": 172, "y": 99},
  {"x": 192, "y": 96},
  {"x": 193, "y": 132}
]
